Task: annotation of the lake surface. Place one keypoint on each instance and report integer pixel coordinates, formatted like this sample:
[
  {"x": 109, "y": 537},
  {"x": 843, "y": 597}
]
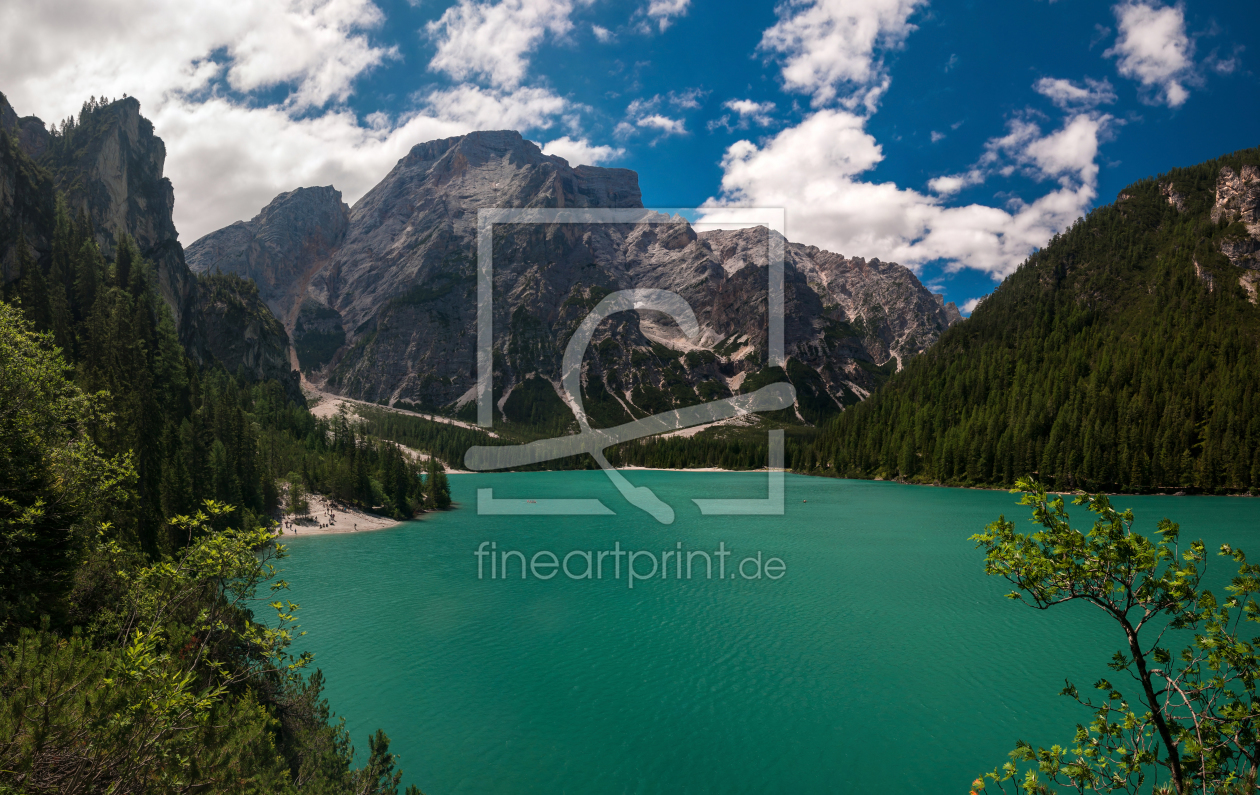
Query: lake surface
[{"x": 881, "y": 659}]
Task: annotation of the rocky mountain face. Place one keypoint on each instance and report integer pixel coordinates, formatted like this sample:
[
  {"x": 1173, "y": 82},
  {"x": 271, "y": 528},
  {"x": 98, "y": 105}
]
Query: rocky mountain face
[
  {"x": 26, "y": 192},
  {"x": 381, "y": 302},
  {"x": 110, "y": 168},
  {"x": 1234, "y": 203},
  {"x": 292, "y": 238},
  {"x": 238, "y": 328},
  {"x": 28, "y": 131},
  {"x": 107, "y": 164},
  {"x": 1238, "y": 203}
]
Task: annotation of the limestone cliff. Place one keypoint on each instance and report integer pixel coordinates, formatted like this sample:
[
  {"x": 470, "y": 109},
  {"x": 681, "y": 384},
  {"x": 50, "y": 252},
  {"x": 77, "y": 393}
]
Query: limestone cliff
[
  {"x": 239, "y": 330},
  {"x": 1238, "y": 202},
  {"x": 26, "y": 195},
  {"x": 108, "y": 165}
]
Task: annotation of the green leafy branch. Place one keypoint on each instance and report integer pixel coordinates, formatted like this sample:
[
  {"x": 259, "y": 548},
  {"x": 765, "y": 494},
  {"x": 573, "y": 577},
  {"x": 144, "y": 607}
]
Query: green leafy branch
[{"x": 1192, "y": 727}]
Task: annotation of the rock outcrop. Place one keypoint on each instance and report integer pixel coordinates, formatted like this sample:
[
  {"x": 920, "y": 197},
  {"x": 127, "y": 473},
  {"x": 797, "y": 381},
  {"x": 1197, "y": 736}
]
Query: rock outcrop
[
  {"x": 1238, "y": 201},
  {"x": 387, "y": 312},
  {"x": 1174, "y": 198},
  {"x": 27, "y": 131},
  {"x": 26, "y": 196},
  {"x": 108, "y": 166},
  {"x": 293, "y": 237}
]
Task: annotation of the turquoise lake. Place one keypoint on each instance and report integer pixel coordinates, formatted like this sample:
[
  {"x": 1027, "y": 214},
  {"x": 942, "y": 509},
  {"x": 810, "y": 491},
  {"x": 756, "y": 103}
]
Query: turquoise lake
[{"x": 881, "y": 660}]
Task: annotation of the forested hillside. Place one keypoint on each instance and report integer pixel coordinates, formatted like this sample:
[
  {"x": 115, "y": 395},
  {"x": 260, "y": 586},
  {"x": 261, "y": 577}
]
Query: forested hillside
[
  {"x": 193, "y": 432},
  {"x": 138, "y": 488},
  {"x": 1123, "y": 356}
]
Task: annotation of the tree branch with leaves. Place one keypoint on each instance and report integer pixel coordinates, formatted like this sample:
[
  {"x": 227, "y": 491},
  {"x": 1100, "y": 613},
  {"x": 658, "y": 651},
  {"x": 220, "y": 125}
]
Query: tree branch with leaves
[{"x": 1191, "y": 724}]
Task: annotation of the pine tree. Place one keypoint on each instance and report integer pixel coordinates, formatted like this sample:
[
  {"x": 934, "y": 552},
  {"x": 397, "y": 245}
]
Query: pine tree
[
  {"x": 31, "y": 291},
  {"x": 438, "y": 488}
]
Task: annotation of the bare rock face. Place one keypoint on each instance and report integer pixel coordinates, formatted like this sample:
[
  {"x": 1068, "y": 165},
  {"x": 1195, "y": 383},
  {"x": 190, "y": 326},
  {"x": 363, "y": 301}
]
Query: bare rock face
[
  {"x": 897, "y": 315},
  {"x": 28, "y": 131},
  {"x": 26, "y": 196},
  {"x": 280, "y": 248},
  {"x": 109, "y": 167},
  {"x": 385, "y": 308},
  {"x": 1238, "y": 200},
  {"x": 424, "y": 212},
  {"x": 1238, "y": 197},
  {"x": 1174, "y": 198},
  {"x": 1250, "y": 282}
]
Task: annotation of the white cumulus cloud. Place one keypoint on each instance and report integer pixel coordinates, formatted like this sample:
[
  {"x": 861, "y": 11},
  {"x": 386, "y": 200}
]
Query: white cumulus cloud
[
  {"x": 665, "y": 124},
  {"x": 491, "y": 40},
  {"x": 54, "y": 54},
  {"x": 756, "y": 112},
  {"x": 643, "y": 113},
  {"x": 687, "y": 100},
  {"x": 581, "y": 151},
  {"x": 663, "y": 12},
  {"x": 814, "y": 169},
  {"x": 228, "y": 155},
  {"x": 747, "y": 112},
  {"x": 1152, "y": 48},
  {"x": 830, "y": 48},
  {"x": 1068, "y": 155}
]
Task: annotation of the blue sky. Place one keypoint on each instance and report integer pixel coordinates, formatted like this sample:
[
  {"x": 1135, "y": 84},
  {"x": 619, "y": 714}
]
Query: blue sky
[{"x": 954, "y": 137}]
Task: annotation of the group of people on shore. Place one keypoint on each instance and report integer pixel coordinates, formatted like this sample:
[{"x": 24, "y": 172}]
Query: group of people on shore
[{"x": 290, "y": 524}]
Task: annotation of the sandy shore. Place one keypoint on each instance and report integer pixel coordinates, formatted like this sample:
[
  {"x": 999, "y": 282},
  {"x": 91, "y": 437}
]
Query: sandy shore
[{"x": 328, "y": 518}]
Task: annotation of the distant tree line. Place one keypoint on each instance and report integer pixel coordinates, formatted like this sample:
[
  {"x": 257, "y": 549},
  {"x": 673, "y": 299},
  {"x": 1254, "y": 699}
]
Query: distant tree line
[{"x": 346, "y": 461}]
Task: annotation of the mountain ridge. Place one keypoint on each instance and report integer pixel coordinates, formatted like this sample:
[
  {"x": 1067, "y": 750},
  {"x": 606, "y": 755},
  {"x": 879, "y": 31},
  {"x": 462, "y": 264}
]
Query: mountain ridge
[{"x": 385, "y": 315}]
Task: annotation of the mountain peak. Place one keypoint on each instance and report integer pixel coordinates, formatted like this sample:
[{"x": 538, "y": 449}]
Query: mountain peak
[
  {"x": 280, "y": 246},
  {"x": 502, "y": 168}
]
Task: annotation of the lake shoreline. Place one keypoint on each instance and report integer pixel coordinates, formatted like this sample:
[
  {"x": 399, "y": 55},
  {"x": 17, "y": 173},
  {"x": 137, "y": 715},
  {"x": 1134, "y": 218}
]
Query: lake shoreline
[
  {"x": 764, "y": 470},
  {"x": 331, "y": 518}
]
